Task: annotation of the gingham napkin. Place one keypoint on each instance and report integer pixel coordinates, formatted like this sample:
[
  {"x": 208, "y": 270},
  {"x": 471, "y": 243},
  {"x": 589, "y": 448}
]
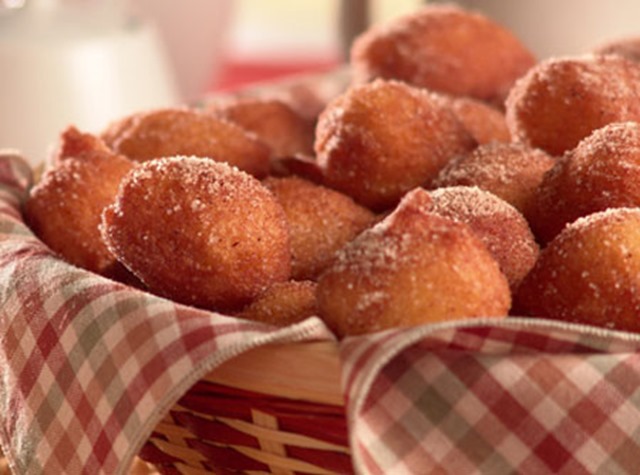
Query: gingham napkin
[
  {"x": 89, "y": 366},
  {"x": 497, "y": 397}
]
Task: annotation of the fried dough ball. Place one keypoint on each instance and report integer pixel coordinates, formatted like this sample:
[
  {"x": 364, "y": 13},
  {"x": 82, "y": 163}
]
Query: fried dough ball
[
  {"x": 379, "y": 140},
  {"x": 628, "y": 47},
  {"x": 500, "y": 226},
  {"x": 199, "y": 232},
  {"x": 76, "y": 144},
  {"x": 562, "y": 100},
  {"x": 273, "y": 121},
  {"x": 321, "y": 221},
  {"x": 443, "y": 48},
  {"x": 510, "y": 171},
  {"x": 590, "y": 273},
  {"x": 115, "y": 130},
  {"x": 283, "y": 304},
  {"x": 64, "y": 208},
  {"x": 171, "y": 132},
  {"x": 413, "y": 267},
  {"x": 602, "y": 172},
  {"x": 302, "y": 166},
  {"x": 485, "y": 123}
]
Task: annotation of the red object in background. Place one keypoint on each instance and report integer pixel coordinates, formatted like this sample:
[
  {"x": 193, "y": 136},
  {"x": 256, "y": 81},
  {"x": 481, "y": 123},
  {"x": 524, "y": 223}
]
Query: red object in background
[{"x": 239, "y": 73}]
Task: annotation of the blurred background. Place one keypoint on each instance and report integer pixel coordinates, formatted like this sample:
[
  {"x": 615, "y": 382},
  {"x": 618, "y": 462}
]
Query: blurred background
[{"x": 86, "y": 62}]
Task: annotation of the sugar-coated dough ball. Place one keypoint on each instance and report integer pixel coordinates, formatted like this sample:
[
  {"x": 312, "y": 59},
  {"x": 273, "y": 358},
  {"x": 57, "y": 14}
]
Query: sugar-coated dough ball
[
  {"x": 273, "y": 121},
  {"x": 484, "y": 122},
  {"x": 590, "y": 273},
  {"x": 379, "y": 140},
  {"x": 413, "y": 267},
  {"x": 64, "y": 208},
  {"x": 321, "y": 221},
  {"x": 500, "y": 226},
  {"x": 181, "y": 131},
  {"x": 74, "y": 143},
  {"x": 283, "y": 304},
  {"x": 560, "y": 101},
  {"x": 511, "y": 171},
  {"x": 443, "y": 48},
  {"x": 302, "y": 166},
  {"x": 628, "y": 47},
  {"x": 602, "y": 172},
  {"x": 199, "y": 232}
]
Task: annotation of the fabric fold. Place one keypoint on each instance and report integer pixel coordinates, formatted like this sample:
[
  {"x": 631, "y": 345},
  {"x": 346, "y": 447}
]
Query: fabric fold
[
  {"x": 494, "y": 396},
  {"x": 89, "y": 366}
]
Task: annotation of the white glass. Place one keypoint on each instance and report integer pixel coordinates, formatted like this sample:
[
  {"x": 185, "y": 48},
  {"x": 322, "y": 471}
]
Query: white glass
[{"x": 81, "y": 63}]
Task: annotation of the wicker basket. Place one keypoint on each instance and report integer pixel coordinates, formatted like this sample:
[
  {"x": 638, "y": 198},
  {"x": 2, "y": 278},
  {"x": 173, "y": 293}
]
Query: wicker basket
[
  {"x": 275, "y": 409},
  {"x": 501, "y": 390}
]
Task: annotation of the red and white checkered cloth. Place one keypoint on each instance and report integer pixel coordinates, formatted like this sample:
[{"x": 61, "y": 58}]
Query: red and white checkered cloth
[
  {"x": 511, "y": 396},
  {"x": 88, "y": 367}
]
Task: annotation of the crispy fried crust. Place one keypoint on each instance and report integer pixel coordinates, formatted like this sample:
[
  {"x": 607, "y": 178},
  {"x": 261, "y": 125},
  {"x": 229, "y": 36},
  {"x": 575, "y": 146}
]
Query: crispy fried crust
[
  {"x": 199, "y": 232},
  {"x": 445, "y": 49},
  {"x": 602, "y": 172},
  {"x": 414, "y": 267},
  {"x": 321, "y": 221},
  {"x": 510, "y": 171},
  {"x": 379, "y": 140},
  {"x": 284, "y": 303},
  {"x": 181, "y": 131},
  {"x": 64, "y": 208},
  {"x": 590, "y": 273},
  {"x": 500, "y": 226},
  {"x": 560, "y": 101}
]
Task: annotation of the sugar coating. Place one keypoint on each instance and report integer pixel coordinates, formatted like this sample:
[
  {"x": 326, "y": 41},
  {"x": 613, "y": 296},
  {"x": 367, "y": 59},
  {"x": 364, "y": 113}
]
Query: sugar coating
[
  {"x": 198, "y": 231},
  {"x": 590, "y": 273},
  {"x": 443, "y": 48},
  {"x": 562, "y": 100},
  {"x": 603, "y": 171},
  {"x": 379, "y": 140},
  {"x": 406, "y": 269},
  {"x": 500, "y": 226},
  {"x": 321, "y": 221}
]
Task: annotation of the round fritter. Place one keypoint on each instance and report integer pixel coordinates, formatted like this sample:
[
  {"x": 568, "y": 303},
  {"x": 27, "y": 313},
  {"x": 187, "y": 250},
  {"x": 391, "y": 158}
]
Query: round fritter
[
  {"x": 602, "y": 172},
  {"x": 590, "y": 273},
  {"x": 182, "y": 131},
  {"x": 484, "y": 122},
  {"x": 443, "y": 48},
  {"x": 302, "y": 166},
  {"x": 64, "y": 208},
  {"x": 76, "y": 144},
  {"x": 413, "y": 267},
  {"x": 379, "y": 140},
  {"x": 272, "y": 121},
  {"x": 562, "y": 100},
  {"x": 628, "y": 47},
  {"x": 283, "y": 304},
  {"x": 199, "y": 232},
  {"x": 500, "y": 226},
  {"x": 321, "y": 221},
  {"x": 510, "y": 171}
]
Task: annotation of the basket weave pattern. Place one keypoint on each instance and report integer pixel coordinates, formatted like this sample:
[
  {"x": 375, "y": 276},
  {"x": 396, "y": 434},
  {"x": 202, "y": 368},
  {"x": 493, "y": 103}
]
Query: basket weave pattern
[
  {"x": 217, "y": 429},
  {"x": 275, "y": 409}
]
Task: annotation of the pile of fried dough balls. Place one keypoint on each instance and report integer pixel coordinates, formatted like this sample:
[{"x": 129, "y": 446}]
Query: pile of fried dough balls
[{"x": 455, "y": 177}]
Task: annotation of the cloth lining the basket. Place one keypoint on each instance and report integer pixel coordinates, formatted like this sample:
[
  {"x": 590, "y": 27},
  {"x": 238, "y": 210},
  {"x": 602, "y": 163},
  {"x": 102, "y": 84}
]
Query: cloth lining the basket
[
  {"x": 89, "y": 367},
  {"x": 494, "y": 396}
]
